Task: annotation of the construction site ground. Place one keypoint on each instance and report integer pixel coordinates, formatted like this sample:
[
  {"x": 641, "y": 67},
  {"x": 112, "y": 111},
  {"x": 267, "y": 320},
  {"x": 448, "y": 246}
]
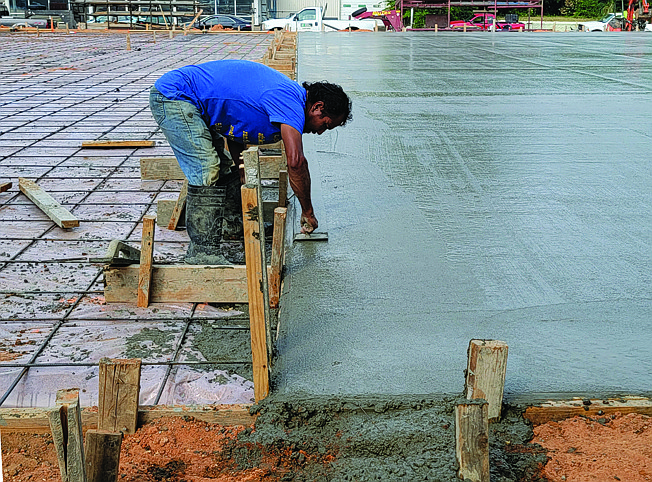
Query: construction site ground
[{"x": 490, "y": 186}]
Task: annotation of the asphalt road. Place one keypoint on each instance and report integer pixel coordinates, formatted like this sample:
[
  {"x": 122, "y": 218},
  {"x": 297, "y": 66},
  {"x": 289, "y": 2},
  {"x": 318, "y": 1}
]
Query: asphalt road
[{"x": 493, "y": 186}]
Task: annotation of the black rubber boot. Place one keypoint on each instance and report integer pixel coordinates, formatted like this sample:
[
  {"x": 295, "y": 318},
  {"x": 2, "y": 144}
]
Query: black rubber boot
[
  {"x": 232, "y": 226},
  {"x": 204, "y": 218}
]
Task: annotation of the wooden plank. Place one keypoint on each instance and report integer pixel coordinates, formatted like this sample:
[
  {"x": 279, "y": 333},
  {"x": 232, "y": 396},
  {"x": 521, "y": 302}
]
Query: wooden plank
[
  {"x": 472, "y": 441},
  {"x": 35, "y": 420},
  {"x": 485, "y": 373},
  {"x": 57, "y": 213},
  {"x": 146, "y": 261},
  {"x": 563, "y": 409},
  {"x": 107, "y": 144},
  {"x": 282, "y": 188},
  {"x": 167, "y": 168},
  {"x": 257, "y": 323},
  {"x": 251, "y": 159},
  {"x": 278, "y": 248},
  {"x": 160, "y": 168},
  {"x": 179, "y": 284},
  {"x": 66, "y": 425},
  {"x": 179, "y": 206},
  {"x": 103, "y": 455},
  {"x": 118, "y": 395},
  {"x": 5, "y": 186}
]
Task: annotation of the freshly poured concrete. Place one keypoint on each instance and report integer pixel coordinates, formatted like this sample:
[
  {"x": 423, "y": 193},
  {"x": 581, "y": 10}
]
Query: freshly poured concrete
[{"x": 490, "y": 186}]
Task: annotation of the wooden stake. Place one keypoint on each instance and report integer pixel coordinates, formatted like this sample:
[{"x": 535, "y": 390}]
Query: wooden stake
[
  {"x": 472, "y": 441},
  {"x": 118, "y": 396},
  {"x": 154, "y": 35},
  {"x": 255, "y": 287},
  {"x": 128, "y": 41},
  {"x": 178, "y": 207},
  {"x": 66, "y": 426},
  {"x": 62, "y": 217},
  {"x": 5, "y": 186},
  {"x": 278, "y": 245},
  {"x": 146, "y": 261},
  {"x": 103, "y": 455},
  {"x": 485, "y": 374},
  {"x": 282, "y": 188}
]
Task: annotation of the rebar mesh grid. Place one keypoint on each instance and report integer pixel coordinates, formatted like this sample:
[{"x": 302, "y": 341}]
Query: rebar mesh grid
[{"x": 56, "y": 91}]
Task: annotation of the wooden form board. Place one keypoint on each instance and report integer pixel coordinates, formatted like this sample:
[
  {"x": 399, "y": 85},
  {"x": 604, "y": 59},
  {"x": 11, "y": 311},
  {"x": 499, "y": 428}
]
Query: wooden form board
[
  {"x": 563, "y": 409},
  {"x": 57, "y": 213},
  {"x": 255, "y": 287},
  {"x": 35, "y": 420},
  {"x": 118, "y": 395},
  {"x": 5, "y": 186},
  {"x": 167, "y": 168},
  {"x": 179, "y": 284},
  {"x": 106, "y": 144}
]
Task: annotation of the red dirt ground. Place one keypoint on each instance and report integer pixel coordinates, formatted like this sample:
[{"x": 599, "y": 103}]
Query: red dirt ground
[
  {"x": 174, "y": 449},
  {"x": 599, "y": 449}
]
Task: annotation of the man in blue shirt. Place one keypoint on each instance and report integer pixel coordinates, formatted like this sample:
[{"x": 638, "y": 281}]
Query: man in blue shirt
[{"x": 198, "y": 106}]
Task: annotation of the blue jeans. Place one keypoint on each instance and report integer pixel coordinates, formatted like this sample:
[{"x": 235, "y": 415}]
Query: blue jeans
[{"x": 199, "y": 150}]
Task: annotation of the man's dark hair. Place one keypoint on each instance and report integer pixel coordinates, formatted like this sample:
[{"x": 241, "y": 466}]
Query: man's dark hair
[{"x": 336, "y": 102}]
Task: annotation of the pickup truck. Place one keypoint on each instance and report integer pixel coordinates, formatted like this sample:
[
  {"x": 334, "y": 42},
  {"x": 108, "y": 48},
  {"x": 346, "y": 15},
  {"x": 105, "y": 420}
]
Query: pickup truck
[
  {"x": 610, "y": 22},
  {"x": 312, "y": 19},
  {"x": 485, "y": 21}
]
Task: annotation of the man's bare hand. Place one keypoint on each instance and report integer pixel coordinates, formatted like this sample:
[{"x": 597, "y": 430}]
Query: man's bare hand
[{"x": 308, "y": 223}]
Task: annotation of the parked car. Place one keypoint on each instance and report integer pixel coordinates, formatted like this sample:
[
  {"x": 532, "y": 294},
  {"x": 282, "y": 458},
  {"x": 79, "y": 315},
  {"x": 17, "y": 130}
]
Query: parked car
[
  {"x": 609, "y": 22},
  {"x": 226, "y": 21}
]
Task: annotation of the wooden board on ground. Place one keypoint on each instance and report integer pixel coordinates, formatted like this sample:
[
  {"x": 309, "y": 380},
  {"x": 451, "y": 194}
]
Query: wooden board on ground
[
  {"x": 179, "y": 284},
  {"x": 5, "y": 186},
  {"x": 563, "y": 409},
  {"x": 160, "y": 168},
  {"x": 35, "y": 420},
  {"x": 106, "y": 144},
  {"x": 57, "y": 213}
]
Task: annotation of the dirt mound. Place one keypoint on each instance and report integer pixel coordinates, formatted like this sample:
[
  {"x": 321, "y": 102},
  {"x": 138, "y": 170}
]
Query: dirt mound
[{"x": 615, "y": 447}]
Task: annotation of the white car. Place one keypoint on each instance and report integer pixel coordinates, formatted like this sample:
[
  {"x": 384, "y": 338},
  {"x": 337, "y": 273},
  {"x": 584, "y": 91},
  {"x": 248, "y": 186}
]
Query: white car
[{"x": 599, "y": 25}]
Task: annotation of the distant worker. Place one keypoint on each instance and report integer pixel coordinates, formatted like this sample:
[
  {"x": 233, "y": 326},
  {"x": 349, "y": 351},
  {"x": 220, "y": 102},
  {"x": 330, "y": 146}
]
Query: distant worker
[{"x": 198, "y": 106}]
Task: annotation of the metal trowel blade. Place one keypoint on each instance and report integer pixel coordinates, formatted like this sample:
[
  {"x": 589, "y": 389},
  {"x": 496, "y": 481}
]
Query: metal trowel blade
[{"x": 311, "y": 237}]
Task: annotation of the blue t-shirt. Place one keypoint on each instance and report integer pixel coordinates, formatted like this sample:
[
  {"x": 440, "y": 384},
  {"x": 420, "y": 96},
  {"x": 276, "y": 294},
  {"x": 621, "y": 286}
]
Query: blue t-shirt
[{"x": 241, "y": 99}]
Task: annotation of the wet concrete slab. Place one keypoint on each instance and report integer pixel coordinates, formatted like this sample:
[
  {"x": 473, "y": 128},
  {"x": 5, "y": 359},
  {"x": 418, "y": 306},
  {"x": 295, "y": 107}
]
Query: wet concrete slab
[{"x": 490, "y": 186}]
